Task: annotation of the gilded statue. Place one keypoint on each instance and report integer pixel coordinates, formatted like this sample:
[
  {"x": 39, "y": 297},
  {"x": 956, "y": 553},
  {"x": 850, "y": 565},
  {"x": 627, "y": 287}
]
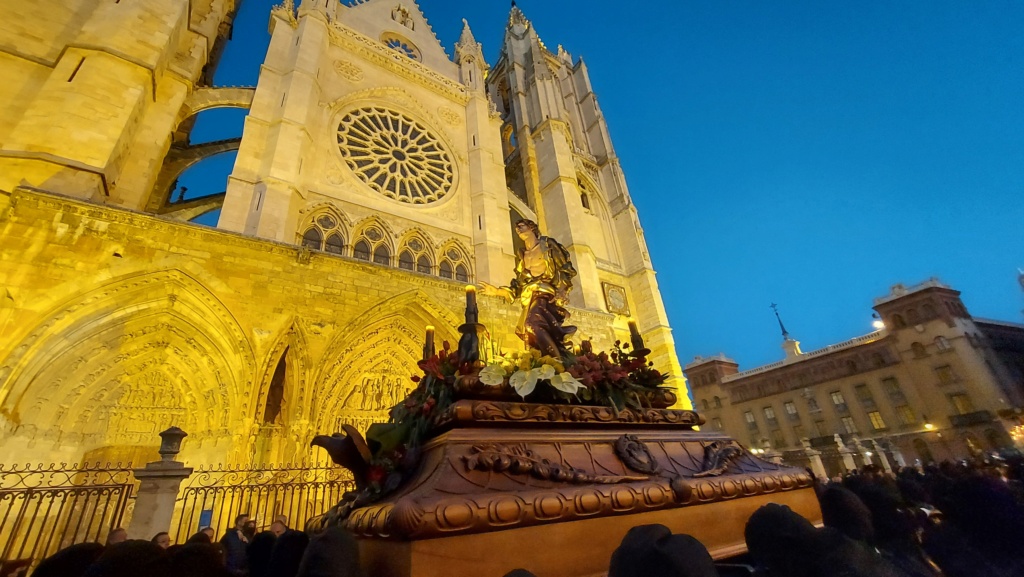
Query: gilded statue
[{"x": 542, "y": 283}]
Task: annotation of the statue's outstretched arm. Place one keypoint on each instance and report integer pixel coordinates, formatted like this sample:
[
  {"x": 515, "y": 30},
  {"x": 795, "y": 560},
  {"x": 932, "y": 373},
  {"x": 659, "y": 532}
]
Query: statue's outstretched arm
[{"x": 503, "y": 291}]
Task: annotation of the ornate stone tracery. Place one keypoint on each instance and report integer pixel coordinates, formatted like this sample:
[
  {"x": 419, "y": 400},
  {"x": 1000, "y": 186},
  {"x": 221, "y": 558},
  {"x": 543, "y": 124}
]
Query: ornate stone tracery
[{"x": 395, "y": 155}]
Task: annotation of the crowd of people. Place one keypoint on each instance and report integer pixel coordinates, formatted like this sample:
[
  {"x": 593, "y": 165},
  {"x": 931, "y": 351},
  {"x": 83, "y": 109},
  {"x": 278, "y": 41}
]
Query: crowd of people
[
  {"x": 949, "y": 520},
  {"x": 241, "y": 552}
]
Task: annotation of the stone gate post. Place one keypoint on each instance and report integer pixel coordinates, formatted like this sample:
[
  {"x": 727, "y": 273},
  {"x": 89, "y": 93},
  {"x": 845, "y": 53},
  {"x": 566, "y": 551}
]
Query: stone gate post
[{"x": 158, "y": 488}]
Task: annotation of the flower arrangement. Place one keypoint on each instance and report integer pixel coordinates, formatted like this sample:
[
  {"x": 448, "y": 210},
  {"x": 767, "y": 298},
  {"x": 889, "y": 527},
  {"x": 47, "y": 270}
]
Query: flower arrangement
[{"x": 617, "y": 379}]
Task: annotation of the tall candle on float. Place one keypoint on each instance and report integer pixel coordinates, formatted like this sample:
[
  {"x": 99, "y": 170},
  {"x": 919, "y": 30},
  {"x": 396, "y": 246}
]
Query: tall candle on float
[
  {"x": 472, "y": 312},
  {"x": 428, "y": 346},
  {"x": 634, "y": 336}
]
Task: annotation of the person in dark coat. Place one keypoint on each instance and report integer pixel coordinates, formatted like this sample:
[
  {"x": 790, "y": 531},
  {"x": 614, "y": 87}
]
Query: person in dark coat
[
  {"x": 287, "y": 554},
  {"x": 234, "y": 543},
  {"x": 197, "y": 560},
  {"x": 259, "y": 552},
  {"x": 130, "y": 559},
  {"x": 788, "y": 545},
  {"x": 333, "y": 553},
  {"x": 71, "y": 561},
  {"x": 653, "y": 551}
]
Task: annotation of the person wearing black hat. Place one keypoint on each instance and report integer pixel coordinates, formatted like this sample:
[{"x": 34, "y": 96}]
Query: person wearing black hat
[
  {"x": 786, "y": 544},
  {"x": 333, "y": 553},
  {"x": 653, "y": 551},
  {"x": 71, "y": 561}
]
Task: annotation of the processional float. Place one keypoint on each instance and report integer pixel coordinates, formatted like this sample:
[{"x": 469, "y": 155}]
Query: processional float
[{"x": 542, "y": 458}]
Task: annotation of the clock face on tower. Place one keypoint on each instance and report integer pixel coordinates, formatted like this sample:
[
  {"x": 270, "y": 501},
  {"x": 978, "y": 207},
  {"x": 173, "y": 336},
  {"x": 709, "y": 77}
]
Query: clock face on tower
[
  {"x": 395, "y": 155},
  {"x": 615, "y": 299}
]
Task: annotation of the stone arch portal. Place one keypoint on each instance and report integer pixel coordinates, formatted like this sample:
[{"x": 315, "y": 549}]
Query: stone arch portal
[
  {"x": 109, "y": 370},
  {"x": 369, "y": 368}
]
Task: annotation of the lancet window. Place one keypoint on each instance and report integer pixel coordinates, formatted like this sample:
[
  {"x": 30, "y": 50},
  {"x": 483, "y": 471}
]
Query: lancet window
[
  {"x": 372, "y": 246},
  {"x": 415, "y": 255},
  {"x": 324, "y": 233},
  {"x": 453, "y": 264}
]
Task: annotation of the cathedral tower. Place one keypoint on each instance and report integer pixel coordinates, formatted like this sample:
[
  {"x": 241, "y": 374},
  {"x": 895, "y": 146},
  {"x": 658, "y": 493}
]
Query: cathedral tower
[
  {"x": 376, "y": 177},
  {"x": 562, "y": 171}
]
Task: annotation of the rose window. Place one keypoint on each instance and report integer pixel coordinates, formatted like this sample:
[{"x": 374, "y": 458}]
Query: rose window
[{"x": 395, "y": 155}]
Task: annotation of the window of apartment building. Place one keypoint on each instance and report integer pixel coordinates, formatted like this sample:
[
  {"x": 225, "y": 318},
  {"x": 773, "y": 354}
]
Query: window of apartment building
[
  {"x": 705, "y": 403},
  {"x": 839, "y": 401},
  {"x": 961, "y": 403},
  {"x": 905, "y": 415},
  {"x": 912, "y": 316},
  {"x": 877, "y": 423},
  {"x": 799, "y": 432},
  {"x": 820, "y": 429},
  {"x": 769, "y": 413},
  {"x": 942, "y": 344},
  {"x": 791, "y": 411},
  {"x": 898, "y": 322},
  {"x": 778, "y": 439},
  {"x": 812, "y": 405},
  {"x": 718, "y": 403},
  {"x": 751, "y": 420},
  {"x": 716, "y": 423},
  {"x": 918, "y": 350},
  {"x": 945, "y": 375},
  {"x": 892, "y": 389},
  {"x": 864, "y": 396},
  {"x": 877, "y": 360},
  {"x": 849, "y": 425}
]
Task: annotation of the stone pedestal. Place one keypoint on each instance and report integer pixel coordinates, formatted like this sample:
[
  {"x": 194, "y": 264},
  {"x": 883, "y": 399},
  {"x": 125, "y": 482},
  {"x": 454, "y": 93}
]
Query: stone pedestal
[
  {"x": 158, "y": 490},
  {"x": 897, "y": 455},
  {"x": 816, "y": 465},
  {"x": 554, "y": 488},
  {"x": 882, "y": 460},
  {"x": 849, "y": 464}
]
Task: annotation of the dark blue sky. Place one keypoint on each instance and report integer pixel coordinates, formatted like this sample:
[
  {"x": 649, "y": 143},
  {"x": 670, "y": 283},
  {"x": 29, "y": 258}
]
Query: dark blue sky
[{"x": 801, "y": 152}]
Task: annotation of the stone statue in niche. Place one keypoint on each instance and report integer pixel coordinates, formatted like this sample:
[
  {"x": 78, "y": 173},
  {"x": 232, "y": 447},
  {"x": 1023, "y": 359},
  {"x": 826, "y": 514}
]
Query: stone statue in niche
[{"x": 542, "y": 283}]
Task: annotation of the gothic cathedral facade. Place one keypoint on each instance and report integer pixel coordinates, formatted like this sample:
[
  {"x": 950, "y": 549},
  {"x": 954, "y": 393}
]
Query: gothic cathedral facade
[{"x": 376, "y": 176}]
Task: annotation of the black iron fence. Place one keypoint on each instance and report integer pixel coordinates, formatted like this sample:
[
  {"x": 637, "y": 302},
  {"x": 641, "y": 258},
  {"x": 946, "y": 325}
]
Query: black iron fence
[
  {"x": 45, "y": 508},
  {"x": 212, "y": 497}
]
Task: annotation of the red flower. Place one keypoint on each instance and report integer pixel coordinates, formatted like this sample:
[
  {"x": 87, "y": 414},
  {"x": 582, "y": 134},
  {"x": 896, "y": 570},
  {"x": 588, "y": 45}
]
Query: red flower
[{"x": 375, "y": 474}]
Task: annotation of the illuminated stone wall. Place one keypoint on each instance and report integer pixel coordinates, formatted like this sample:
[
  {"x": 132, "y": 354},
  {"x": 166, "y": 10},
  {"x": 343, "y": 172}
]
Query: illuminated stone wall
[
  {"x": 117, "y": 325},
  {"x": 90, "y": 91}
]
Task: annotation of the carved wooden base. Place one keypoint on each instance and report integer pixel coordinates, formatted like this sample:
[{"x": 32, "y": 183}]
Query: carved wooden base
[
  {"x": 516, "y": 485},
  {"x": 577, "y": 549}
]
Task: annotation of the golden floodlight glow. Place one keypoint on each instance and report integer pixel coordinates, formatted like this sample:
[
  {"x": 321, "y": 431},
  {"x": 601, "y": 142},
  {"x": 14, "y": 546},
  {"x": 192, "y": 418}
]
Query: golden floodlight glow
[{"x": 878, "y": 325}]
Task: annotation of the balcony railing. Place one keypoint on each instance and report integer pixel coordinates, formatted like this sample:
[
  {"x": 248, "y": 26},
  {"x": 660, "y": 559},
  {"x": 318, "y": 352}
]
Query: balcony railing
[{"x": 968, "y": 419}]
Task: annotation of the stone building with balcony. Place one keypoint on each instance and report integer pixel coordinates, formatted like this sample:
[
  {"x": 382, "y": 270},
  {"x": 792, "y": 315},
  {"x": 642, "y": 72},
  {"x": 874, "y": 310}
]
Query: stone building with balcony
[{"x": 933, "y": 383}]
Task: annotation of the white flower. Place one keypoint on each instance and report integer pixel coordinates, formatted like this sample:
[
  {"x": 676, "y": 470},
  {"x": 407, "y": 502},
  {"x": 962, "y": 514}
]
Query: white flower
[
  {"x": 523, "y": 382},
  {"x": 566, "y": 383},
  {"x": 543, "y": 372},
  {"x": 492, "y": 375}
]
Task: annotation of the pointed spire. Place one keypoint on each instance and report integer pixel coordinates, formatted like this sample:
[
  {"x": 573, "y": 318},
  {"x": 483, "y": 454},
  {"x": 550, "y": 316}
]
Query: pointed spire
[
  {"x": 467, "y": 49},
  {"x": 790, "y": 345},
  {"x": 785, "y": 334},
  {"x": 466, "y": 39},
  {"x": 516, "y": 16}
]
